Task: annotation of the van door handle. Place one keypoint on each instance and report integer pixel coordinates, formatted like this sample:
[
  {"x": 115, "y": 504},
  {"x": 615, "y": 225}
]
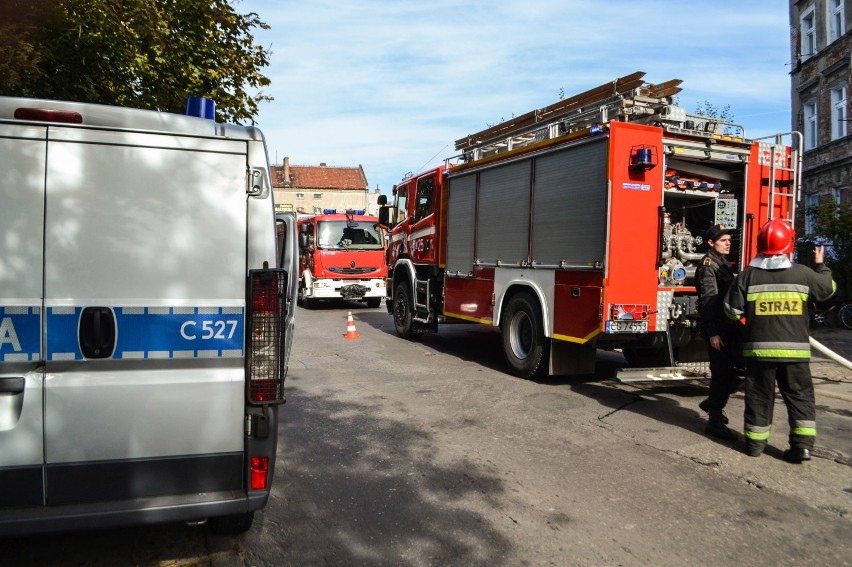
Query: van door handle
[
  {"x": 12, "y": 385},
  {"x": 97, "y": 332}
]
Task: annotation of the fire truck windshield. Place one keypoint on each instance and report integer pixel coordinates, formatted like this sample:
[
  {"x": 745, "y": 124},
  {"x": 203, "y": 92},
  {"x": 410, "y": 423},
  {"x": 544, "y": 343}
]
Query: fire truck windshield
[{"x": 340, "y": 235}]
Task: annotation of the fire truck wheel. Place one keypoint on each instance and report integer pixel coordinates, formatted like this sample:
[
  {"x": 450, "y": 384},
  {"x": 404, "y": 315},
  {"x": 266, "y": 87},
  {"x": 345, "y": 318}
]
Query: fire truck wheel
[
  {"x": 374, "y": 302},
  {"x": 303, "y": 300},
  {"x": 524, "y": 345},
  {"x": 403, "y": 316}
]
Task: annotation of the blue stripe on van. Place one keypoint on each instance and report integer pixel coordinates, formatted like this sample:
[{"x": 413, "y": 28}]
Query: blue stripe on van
[
  {"x": 62, "y": 341},
  {"x": 179, "y": 332},
  {"x": 155, "y": 332},
  {"x": 20, "y": 333}
]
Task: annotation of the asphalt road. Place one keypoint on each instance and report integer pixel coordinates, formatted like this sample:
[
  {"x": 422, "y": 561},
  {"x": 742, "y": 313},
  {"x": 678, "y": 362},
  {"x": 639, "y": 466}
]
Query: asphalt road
[{"x": 428, "y": 453}]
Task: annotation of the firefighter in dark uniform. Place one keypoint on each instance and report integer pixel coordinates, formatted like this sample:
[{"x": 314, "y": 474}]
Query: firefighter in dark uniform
[
  {"x": 713, "y": 279},
  {"x": 771, "y": 296}
]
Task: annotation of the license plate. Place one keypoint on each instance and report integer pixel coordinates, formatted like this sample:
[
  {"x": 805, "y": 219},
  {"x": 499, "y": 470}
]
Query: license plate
[{"x": 627, "y": 326}]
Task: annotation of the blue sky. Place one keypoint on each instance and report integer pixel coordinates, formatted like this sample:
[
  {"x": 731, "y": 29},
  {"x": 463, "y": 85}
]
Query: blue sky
[{"x": 391, "y": 85}]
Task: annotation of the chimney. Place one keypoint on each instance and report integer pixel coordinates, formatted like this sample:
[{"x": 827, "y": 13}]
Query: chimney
[{"x": 286, "y": 171}]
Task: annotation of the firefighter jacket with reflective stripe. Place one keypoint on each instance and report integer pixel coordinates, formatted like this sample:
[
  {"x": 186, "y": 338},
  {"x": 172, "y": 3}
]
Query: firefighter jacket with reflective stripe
[
  {"x": 774, "y": 304},
  {"x": 713, "y": 279}
]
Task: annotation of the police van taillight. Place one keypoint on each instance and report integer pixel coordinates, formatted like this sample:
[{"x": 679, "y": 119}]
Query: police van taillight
[
  {"x": 265, "y": 340},
  {"x": 259, "y": 473}
]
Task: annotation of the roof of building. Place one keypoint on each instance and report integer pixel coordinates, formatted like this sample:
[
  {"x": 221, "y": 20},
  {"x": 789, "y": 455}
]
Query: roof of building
[{"x": 320, "y": 177}]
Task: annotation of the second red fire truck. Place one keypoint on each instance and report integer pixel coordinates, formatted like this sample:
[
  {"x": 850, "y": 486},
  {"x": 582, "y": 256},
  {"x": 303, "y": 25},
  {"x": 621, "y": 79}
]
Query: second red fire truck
[
  {"x": 341, "y": 256},
  {"x": 578, "y": 226}
]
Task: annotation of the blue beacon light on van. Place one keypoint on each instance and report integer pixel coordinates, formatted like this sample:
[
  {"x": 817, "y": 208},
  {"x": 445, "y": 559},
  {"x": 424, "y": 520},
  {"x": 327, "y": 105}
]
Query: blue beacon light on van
[{"x": 201, "y": 107}]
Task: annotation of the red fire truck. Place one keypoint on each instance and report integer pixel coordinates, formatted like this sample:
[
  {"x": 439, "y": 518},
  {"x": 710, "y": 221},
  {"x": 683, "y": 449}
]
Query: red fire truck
[
  {"x": 341, "y": 256},
  {"x": 579, "y": 226}
]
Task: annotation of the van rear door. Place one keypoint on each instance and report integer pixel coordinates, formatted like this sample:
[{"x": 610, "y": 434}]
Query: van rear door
[
  {"x": 145, "y": 282},
  {"x": 22, "y": 160}
]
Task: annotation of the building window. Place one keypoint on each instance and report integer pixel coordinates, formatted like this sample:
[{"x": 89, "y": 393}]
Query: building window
[
  {"x": 836, "y": 20},
  {"x": 300, "y": 195},
  {"x": 317, "y": 195},
  {"x": 810, "y": 114},
  {"x": 811, "y": 204},
  {"x": 839, "y": 195},
  {"x": 808, "y": 34},
  {"x": 838, "y": 112}
]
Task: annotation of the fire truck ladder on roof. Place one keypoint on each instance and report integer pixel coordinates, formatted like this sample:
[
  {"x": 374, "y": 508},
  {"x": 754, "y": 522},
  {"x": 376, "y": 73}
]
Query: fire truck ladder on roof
[
  {"x": 628, "y": 98},
  {"x": 783, "y": 194}
]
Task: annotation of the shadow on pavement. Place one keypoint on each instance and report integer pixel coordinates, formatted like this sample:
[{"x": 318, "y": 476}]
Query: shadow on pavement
[
  {"x": 353, "y": 488},
  {"x": 166, "y": 544}
]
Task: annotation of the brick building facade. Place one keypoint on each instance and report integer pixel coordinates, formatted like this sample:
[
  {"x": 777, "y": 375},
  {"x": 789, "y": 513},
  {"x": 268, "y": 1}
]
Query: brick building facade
[
  {"x": 821, "y": 48},
  {"x": 311, "y": 189}
]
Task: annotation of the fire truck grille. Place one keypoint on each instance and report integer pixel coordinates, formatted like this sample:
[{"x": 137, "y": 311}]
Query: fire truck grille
[{"x": 355, "y": 270}]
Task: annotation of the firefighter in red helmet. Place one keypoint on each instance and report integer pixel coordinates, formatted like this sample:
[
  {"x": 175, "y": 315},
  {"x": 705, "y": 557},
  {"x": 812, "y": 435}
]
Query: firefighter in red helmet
[{"x": 771, "y": 297}]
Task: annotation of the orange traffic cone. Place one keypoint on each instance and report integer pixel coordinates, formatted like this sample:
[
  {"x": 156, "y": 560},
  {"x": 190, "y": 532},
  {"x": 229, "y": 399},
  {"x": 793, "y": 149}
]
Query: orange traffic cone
[{"x": 351, "y": 333}]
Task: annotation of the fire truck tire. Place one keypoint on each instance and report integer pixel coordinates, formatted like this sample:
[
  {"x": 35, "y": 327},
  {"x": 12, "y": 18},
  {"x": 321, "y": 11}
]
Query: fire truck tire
[
  {"x": 525, "y": 347},
  {"x": 303, "y": 300},
  {"x": 231, "y": 525},
  {"x": 403, "y": 313},
  {"x": 374, "y": 302}
]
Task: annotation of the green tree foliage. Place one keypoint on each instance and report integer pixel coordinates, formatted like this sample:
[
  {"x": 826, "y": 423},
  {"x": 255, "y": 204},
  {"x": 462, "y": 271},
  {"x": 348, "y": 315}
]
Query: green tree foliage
[
  {"x": 832, "y": 226},
  {"x": 137, "y": 53}
]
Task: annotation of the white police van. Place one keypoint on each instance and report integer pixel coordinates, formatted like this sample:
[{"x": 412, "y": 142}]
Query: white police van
[{"x": 146, "y": 313}]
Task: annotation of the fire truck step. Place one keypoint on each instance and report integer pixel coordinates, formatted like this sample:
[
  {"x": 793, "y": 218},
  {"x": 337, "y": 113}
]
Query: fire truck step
[{"x": 667, "y": 374}]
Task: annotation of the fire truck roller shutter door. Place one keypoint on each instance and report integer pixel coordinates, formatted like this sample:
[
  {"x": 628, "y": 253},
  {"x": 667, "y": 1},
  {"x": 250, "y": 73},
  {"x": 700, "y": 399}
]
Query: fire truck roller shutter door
[
  {"x": 460, "y": 229},
  {"x": 569, "y": 206},
  {"x": 502, "y": 223}
]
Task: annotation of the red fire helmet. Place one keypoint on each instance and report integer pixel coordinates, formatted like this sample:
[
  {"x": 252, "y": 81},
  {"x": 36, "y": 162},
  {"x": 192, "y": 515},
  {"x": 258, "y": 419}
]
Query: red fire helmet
[{"x": 776, "y": 237}]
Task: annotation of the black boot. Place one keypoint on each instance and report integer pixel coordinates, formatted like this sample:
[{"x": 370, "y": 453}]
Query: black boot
[
  {"x": 705, "y": 407},
  {"x": 716, "y": 427},
  {"x": 754, "y": 449},
  {"x": 797, "y": 455}
]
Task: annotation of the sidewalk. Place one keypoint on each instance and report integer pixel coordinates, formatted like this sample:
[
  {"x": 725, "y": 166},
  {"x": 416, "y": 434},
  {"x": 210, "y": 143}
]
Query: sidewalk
[{"x": 830, "y": 378}]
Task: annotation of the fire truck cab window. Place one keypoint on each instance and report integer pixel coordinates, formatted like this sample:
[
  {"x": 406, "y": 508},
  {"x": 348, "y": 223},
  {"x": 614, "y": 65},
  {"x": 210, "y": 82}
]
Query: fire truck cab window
[
  {"x": 401, "y": 203},
  {"x": 336, "y": 235},
  {"x": 425, "y": 188}
]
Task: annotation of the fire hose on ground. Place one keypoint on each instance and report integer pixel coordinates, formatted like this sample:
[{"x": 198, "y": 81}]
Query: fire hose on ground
[{"x": 830, "y": 353}]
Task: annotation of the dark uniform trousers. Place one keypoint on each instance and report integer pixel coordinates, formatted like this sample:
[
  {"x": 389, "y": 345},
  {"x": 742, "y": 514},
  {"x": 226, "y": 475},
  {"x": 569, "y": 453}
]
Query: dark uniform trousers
[
  {"x": 713, "y": 279},
  {"x": 797, "y": 389},
  {"x": 723, "y": 367}
]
